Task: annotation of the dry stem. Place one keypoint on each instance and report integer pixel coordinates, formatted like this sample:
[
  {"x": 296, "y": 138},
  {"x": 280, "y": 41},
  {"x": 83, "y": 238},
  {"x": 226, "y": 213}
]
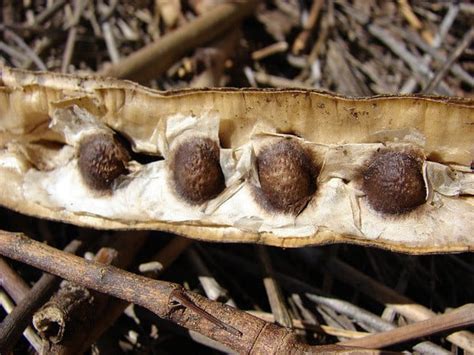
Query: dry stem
[
  {"x": 154, "y": 59},
  {"x": 13, "y": 324},
  {"x": 242, "y": 332}
]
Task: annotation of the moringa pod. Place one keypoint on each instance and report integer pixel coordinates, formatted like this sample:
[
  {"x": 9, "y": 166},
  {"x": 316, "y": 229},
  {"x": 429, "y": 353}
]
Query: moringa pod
[{"x": 279, "y": 167}]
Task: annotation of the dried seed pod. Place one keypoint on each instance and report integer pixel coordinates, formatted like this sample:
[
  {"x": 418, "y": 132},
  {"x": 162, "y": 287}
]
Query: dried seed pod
[
  {"x": 102, "y": 158},
  {"x": 344, "y": 135},
  {"x": 394, "y": 183},
  {"x": 287, "y": 176},
  {"x": 197, "y": 174}
]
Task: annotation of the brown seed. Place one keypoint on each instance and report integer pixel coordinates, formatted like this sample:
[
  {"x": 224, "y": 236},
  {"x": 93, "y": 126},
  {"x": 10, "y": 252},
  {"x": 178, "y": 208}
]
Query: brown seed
[
  {"x": 102, "y": 158},
  {"x": 287, "y": 176},
  {"x": 394, "y": 183},
  {"x": 197, "y": 173}
]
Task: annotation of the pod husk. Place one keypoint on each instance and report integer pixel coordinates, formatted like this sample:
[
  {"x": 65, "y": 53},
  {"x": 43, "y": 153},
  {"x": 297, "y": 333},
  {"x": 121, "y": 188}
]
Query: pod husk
[{"x": 444, "y": 126}]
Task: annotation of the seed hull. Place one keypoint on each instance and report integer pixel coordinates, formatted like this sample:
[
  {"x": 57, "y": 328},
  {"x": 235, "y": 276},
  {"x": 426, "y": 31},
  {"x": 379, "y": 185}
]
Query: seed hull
[{"x": 443, "y": 126}]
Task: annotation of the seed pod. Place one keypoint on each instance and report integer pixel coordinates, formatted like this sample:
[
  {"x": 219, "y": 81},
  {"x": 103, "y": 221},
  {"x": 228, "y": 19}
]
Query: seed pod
[
  {"x": 102, "y": 159},
  {"x": 341, "y": 137},
  {"x": 286, "y": 177},
  {"x": 197, "y": 174},
  {"x": 394, "y": 183}
]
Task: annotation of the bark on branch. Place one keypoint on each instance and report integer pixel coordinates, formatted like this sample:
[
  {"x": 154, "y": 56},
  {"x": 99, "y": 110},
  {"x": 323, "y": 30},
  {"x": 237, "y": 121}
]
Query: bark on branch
[{"x": 236, "y": 329}]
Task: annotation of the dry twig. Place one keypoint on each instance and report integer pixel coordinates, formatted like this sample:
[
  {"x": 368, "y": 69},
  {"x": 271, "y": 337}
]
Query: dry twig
[
  {"x": 29, "y": 333},
  {"x": 401, "y": 304},
  {"x": 461, "y": 317},
  {"x": 236, "y": 329},
  {"x": 301, "y": 41},
  {"x": 11, "y": 282},
  {"x": 274, "y": 293},
  {"x": 13, "y": 325},
  {"x": 466, "y": 41},
  {"x": 154, "y": 59}
]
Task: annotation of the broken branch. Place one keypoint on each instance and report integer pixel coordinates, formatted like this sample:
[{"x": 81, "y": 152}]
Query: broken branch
[{"x": 254, "y": 334}]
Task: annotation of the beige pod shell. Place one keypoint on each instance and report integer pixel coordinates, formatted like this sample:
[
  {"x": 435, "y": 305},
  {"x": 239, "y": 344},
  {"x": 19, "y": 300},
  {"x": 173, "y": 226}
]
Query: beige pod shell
[{"x": 287, "y": 168}]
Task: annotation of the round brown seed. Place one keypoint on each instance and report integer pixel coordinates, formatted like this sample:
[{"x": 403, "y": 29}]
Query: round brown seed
[
  {"x": 102, "y": 158},
  {"x": 394, "y": 183},
  {"x": 287, "y": 176},
  {"x": 197, "y": 173}
]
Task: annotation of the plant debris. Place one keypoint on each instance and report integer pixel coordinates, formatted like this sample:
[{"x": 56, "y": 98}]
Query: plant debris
[{"x": 324, "y": 295}]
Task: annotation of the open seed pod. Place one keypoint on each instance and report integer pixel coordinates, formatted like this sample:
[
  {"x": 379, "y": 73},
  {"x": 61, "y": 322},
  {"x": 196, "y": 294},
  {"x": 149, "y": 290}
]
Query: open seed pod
[{"x": 279, "y": 167}]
